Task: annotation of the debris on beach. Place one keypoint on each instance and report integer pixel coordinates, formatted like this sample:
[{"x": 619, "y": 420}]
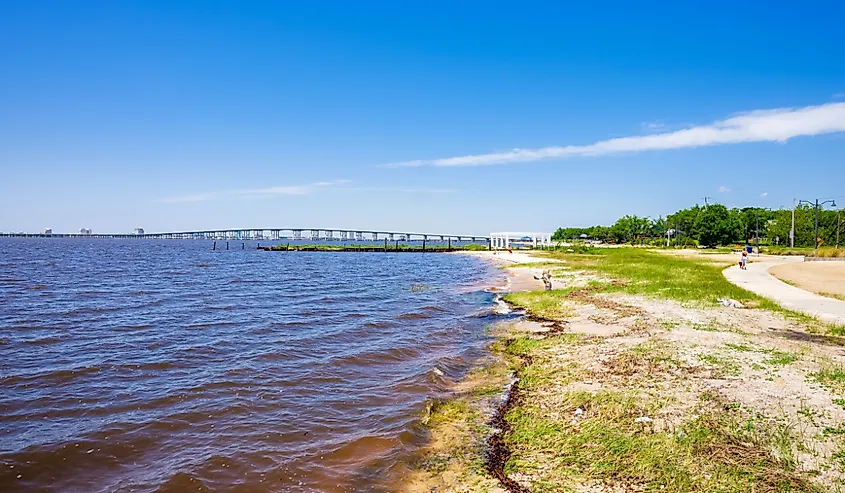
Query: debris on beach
[{"x": 730, "y": 303}]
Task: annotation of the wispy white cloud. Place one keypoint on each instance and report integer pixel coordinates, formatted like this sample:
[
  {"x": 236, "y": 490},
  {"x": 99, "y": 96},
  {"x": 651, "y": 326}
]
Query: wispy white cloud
[
  {"x": 267, "y": 192},
  {"x": 777, "y": 125},
  {"x": 839, "y": 95},
  {"x": 652, "y": 127},
  {"x": 401, "y": 189},
  {"x": 724, "y": 189},
  {"x": 764, "y": 195}
]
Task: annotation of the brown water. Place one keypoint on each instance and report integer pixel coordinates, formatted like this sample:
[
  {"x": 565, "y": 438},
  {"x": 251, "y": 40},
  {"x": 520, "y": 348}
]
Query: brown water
[{"x": 163, "y": 366}]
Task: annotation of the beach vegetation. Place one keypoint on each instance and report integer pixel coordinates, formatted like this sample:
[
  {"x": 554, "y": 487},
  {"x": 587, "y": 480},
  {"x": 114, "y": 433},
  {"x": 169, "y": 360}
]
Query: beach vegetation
[{"x": 715, "y": 225}]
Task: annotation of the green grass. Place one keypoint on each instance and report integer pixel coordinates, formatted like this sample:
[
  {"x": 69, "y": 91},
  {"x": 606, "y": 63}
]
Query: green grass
[
  {"x": 781, "y": 358},
  {"x": 684, "y": 279},
  {"x": 723, "y": 365},
  {"x": 651, "y": 273},
  {"x": 832, "y": 377},
  {"x": 743, "y": 348},
  {"x": 717, "y": 451},
  {"x": 547, "y": 305}
]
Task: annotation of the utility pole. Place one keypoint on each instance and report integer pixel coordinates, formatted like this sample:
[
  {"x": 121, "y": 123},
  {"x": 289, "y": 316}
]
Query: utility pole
[
  {"x": 757, "y": 234},
  {"x": 817, "y": 205},
  {"x": 792, "y": 231},
  {"x": 838, "y": 223}
]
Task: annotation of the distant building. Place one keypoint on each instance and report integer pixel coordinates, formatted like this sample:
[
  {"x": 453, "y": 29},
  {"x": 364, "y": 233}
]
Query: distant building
[
  {"x": 139, "y": 231},
  {"x": 84, "y": 231},
  {"x": 47, "y": 231}
]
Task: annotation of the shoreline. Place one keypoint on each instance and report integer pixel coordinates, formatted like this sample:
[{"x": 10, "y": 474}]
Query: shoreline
[
  {"x": 474, "y": 393},
  {"x": 676, "y": 365}
]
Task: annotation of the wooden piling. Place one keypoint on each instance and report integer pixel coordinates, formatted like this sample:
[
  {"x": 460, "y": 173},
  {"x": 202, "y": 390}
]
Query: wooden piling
[
  {"x": 214, "y": 246},
  {"x": 423, "y": 245},
  {"x": 385, "y": 245}
]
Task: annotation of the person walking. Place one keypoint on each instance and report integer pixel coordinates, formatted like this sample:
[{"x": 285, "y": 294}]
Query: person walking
[{"x": 743, "y": 260}]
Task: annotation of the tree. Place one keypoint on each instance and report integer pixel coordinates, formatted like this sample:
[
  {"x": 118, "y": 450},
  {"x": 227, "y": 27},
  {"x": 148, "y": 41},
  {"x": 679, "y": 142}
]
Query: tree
[
  {"x": 629, "y": 228},
  {"x": 715, "y": 225}
]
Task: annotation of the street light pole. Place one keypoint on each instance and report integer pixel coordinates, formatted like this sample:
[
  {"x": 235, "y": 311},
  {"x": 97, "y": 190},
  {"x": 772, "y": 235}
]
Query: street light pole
[
  {"x": 817, "y": 205},
  {"x": 792, "y": 231}
]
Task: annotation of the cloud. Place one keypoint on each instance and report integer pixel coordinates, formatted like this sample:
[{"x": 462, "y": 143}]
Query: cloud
[
  {"x": 724, "y": 189},
  {"x": 260, "y": 193},
  {"x": 251, "y": 192},
  {"x": 839, "y": 95},
  {"x": 777, "y": 125},
  {"x": 652, "y": 127},
  {"x": 402, "y": 190},
  {"x": 764, "y": 195}
]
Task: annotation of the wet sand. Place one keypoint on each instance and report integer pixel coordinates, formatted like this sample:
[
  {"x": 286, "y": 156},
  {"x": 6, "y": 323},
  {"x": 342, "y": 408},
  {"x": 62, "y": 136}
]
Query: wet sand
[{"x": 518, "y": 279}]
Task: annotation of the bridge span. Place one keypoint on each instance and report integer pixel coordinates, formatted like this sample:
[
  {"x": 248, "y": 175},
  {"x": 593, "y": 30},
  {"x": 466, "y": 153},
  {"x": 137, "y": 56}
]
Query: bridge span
[{"x": 278, "y": 234}]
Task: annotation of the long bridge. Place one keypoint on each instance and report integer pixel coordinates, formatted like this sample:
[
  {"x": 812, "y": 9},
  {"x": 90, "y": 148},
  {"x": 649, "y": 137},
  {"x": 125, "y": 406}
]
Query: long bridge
[{"x": 291, "y": 234}]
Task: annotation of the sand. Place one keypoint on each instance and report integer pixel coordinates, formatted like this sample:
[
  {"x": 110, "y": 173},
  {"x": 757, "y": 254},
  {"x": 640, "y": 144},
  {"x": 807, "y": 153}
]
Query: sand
[
  {"x": 824, "y": 278},
  {"x": 760, "y": 362}
]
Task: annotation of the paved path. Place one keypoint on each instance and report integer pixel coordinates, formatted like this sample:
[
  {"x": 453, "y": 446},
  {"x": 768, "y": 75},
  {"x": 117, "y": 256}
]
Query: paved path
[{"x": 758, "y": 280}]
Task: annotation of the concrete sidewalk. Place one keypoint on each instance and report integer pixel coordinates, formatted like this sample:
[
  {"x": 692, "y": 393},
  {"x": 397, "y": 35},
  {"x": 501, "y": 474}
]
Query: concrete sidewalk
[{"x": 758, "y": 280}]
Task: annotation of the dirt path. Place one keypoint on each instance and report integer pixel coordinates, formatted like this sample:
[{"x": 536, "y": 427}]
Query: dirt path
[{"x": 824, "y": 278}]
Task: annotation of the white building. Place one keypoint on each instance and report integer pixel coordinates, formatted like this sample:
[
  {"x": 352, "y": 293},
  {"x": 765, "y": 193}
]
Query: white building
[
  {"x": 138, "y": 231},
  {"x": 504, "y": 240},
  {"x": 47, "y": 231},
  {"x": 84, "y": 231}
]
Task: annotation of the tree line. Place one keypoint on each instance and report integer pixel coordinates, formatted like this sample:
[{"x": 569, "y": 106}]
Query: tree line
[{"x": 715, "y": 225}]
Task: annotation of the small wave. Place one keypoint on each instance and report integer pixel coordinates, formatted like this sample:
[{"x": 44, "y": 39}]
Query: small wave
[
  {"x": 354, "y": 315},
  {"x": 293, "y": 323},
  {"x": 501, "y": 307},
  {"x": 227, "y": 307},
  {"x": 93, "y": 293},
  {"x": 378, "y": 325},
  {"x": 44, "y": 341},
  {"x": 93, "y": 309},
  {"x": 182, "y": 481},
  {"x": 434, "y": 309},
  {"x": 375, "y": 357},
  {"x": 133, "y": 327},
  {"x": 51, "y": 377},
  {"x": 36, "y": 287},
  {"x": 412, "y": 316},
  {"x": 205, "y": 325},
  {"x": 151, "y": 365}
]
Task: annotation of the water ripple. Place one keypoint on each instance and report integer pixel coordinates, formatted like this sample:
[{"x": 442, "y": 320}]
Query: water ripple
[{"x": 167, "y": 367}]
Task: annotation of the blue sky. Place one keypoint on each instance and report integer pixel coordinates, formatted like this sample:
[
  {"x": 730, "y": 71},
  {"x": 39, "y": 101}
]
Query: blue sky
[{"x": 200, "y": 115}]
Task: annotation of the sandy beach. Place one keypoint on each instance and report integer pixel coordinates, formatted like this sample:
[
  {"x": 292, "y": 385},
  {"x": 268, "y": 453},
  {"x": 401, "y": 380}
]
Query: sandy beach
[{"x": 622, "y": 380}]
